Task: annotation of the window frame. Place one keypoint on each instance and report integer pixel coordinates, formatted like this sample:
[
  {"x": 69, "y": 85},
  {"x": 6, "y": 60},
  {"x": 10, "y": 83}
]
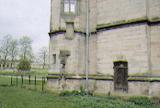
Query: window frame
[
  {"x": 69, "y": 13},
  {"x": 70, "y": 3},
  {"x": 66, "y": 8}
]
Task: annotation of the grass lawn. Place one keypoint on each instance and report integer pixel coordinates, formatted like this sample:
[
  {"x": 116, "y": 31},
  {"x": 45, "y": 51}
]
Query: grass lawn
[
  {"x": 6, "y": 81},
  {"x": 15, "y": 97},
  {"x": 27, "y": 96}
]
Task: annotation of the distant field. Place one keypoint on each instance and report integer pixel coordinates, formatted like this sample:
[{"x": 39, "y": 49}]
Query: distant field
[
  {"x": 16, "y": 97},
  {"x": 38, "y": 72}
]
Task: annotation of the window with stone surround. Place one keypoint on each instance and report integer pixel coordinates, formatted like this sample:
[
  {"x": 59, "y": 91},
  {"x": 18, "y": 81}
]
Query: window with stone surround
[{"x": 70, "y": 6}]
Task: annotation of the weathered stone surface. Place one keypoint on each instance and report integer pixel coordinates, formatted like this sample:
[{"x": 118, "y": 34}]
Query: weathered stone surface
[
  {"x": 130, "y": 41},
  {"x": 154, "y": 10},
  {"x": 138, "y": 43},
  {"x": 55, "y": 15},
  {"x": 138, "y": 88},
  {"x": 75, "y": 62},
  {"x": 154, "y": 89},
  {"x": 117, "y": 28},
  {"x": 112, "y": 11},
  {"x": 106, "y": 87},
  {"x": 155, "y": 48}
]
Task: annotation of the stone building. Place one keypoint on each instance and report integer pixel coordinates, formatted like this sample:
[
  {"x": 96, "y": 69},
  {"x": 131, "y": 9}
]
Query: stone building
[
  {"x": 118, "y": 29},
  {"x": 129, "y": 28}
]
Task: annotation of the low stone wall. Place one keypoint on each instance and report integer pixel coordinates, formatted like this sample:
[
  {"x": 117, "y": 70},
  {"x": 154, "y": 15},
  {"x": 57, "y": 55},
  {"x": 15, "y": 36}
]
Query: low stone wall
[{"x": 98, "y": 85}]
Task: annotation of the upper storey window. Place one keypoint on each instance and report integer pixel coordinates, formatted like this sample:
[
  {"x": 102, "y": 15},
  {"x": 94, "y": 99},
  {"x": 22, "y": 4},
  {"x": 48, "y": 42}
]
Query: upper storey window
[{"x": 70, "y": 6}]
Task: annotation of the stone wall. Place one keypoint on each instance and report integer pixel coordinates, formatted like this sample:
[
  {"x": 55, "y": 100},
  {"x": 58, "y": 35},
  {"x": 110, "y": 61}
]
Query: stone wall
[
  {"x": 116, "y": 11},
  {"x": 122, "y": 11},
  {"x": 129, "y": 41},
  {"x": 58, "y": 18},
  {"x": 128, "y": 28},
  {"x": 105, "y": 12},
  {"x": 154, "y": 10},
  {"x": 155, "y": 48},
  {"x": 138, "y": 42},
  {"x": 135, "y": 87},
  {"x": 93, "y": 19},
  {"x": 93, "y": 54},
  {"x": 55, "y": 15},
  {"x": 75, "y": 62}
]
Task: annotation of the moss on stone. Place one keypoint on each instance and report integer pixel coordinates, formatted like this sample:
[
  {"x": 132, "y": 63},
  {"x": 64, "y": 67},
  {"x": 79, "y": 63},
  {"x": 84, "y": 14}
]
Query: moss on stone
[
  {"x": 146, "y": 79},
  {"x": 154, "y": 79},
  {"x": 101, "y": 77},
  {"x": 55, "y": 31},
  {"x": 114, "y": 23},
  {"x": 53, "y": 77},
  {"x": 120, "y": 22},
  {"x": 137, "y": 19},
  {"x": 120, "y": 61},
  {"x": 154, "y": 19},
  {"x": 81, "y": 76}
]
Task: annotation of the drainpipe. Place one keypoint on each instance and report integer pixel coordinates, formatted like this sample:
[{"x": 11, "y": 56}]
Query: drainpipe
[
  {"x": 87, "y": 44},
  {"x": 148, "y": 39}
]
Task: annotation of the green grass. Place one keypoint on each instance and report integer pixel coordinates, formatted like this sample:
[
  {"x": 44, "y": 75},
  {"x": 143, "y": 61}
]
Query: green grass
[
  {"x": 27, "y": 96},
  {"x": 6, "y": 82},
  {"x": 13, "y": 97}
]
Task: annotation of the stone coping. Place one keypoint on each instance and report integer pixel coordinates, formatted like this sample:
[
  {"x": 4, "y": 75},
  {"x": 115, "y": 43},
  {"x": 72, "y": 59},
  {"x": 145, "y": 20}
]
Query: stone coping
[
  {"x": 112, "y": 24},
  {"x": 105, "y": 77}
]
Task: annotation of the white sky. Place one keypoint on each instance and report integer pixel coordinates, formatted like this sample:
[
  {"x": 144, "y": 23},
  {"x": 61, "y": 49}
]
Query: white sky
[{"x": 26, "y": 17}]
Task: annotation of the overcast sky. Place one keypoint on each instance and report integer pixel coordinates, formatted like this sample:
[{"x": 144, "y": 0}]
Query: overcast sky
[{"x": 26, "y": 17}]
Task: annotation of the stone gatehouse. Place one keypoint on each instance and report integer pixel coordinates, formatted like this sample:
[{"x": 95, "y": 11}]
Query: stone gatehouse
[{"x": 118, "y": 29}]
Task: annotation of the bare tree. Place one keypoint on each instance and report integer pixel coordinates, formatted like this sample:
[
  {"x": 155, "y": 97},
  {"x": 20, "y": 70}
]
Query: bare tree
[
  {"x": 13, "y": 51},
  {"x": 26, "y": 47},
  {"x": 43, "y": 53},
  {"x": 5, "y": 48}
]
